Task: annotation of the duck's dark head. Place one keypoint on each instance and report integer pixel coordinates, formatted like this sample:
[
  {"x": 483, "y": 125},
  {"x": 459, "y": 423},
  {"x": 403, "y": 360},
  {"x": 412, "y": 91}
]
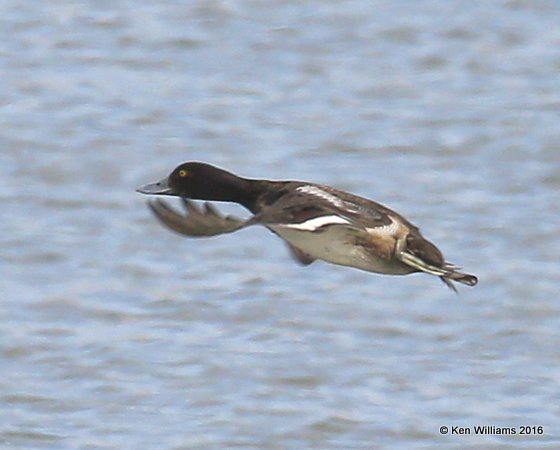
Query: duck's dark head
[
  {"x": 201, "y": 181},
  {"x": 185, "y": 180}
]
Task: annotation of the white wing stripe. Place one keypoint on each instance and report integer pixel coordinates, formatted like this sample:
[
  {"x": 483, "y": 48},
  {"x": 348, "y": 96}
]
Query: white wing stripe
[
  {"x": 316, "y": 223},
  {"x": 313, "y": 190}
]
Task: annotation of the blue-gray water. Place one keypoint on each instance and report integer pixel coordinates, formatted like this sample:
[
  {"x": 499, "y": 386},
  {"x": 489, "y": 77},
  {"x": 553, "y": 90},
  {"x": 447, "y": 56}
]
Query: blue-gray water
[{"x": 117, "y": 334}]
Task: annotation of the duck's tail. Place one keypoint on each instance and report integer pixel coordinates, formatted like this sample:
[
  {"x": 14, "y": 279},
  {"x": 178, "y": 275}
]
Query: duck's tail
[
  {"x": 447, "y": 272},
  {"x": 454, "y": 274}
]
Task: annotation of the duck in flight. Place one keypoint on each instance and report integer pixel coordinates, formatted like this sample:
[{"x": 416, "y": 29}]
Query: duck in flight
[{"x": 316, "y": 221}]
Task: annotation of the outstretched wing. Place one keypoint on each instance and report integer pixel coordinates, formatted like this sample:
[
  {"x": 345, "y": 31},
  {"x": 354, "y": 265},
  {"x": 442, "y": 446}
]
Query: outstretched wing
[
  {"x": 309, "y": 208},
  {"x": 198, "y": 222},
  {"x": 208, "y": 222}
]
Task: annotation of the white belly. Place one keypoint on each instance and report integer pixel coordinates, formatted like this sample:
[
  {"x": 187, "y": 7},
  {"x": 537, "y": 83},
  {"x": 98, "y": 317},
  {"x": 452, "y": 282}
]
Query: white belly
[{"x": 334, "y": 245}]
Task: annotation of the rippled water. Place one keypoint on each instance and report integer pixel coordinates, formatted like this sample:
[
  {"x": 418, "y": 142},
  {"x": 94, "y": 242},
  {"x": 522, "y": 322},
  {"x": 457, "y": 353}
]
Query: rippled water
[{"x": 119, "y": 334}]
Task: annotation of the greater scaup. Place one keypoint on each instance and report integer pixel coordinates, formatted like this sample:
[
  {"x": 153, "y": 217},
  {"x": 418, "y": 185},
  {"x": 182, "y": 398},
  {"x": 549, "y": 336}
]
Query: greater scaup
[{"x": 316, "y": 221}]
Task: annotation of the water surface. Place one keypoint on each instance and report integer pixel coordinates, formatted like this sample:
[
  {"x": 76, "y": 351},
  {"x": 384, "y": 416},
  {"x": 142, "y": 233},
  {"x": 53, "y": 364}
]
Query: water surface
[{"x": 119, "y": 334}]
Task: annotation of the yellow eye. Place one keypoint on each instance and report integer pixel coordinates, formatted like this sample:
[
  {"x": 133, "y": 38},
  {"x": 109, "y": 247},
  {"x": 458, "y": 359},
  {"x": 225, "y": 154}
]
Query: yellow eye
[{"x": 182, "y": 173}]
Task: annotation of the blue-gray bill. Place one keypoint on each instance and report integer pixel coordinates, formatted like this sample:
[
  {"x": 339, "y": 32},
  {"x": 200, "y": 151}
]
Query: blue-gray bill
[{"x": 158, "y": 188}]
